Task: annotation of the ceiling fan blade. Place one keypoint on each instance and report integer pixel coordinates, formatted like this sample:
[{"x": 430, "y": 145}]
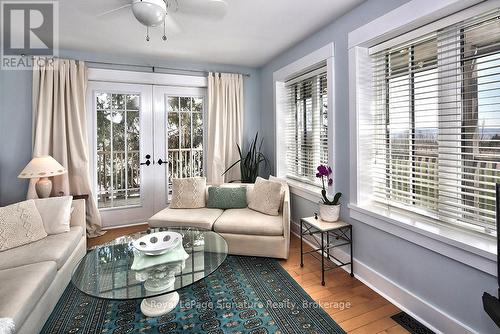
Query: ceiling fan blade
[
  {"x": 113, "y": 10},
  {"x": 96, "y": 7},
  {"x": 173, "y": 27},
  {"x": 210, "y": 9}
]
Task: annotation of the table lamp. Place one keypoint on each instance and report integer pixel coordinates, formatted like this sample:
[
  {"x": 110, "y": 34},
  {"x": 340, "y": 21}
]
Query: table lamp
[{"x": 42, "y": 167}]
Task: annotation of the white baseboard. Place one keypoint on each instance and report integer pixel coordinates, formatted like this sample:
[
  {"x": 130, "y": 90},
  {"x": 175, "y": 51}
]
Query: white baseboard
[{"x": 426, "y": 313}]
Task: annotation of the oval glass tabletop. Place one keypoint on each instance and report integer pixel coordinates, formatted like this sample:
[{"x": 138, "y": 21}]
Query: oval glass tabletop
[{"x": 116, "y": 270}]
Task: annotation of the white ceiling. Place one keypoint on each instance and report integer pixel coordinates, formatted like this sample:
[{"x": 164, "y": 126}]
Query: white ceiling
[{"x": 251, "y": 33}]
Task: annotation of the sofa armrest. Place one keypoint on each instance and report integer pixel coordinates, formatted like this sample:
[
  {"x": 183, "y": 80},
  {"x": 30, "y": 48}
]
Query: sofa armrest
[
  {"x": 78, "y": 217},
  {"x": 286, "y": 219}
]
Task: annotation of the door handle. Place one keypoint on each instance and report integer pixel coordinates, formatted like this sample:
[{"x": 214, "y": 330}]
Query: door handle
[
  {"x": 148, "y": 162},
  {"x": 160, "y": 162}
]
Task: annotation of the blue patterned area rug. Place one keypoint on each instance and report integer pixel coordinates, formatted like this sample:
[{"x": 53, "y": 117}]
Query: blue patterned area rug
[{"x": 245, "y": 295}]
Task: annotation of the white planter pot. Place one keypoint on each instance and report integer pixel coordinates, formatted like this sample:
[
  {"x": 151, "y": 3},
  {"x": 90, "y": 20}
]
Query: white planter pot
[{"x": 329, "y": 213}]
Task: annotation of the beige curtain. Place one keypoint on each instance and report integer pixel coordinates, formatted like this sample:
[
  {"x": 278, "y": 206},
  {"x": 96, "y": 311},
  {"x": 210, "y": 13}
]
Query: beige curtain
[
  {"x": 225, "y": 125},
  {"x": 60, "y": 129}
]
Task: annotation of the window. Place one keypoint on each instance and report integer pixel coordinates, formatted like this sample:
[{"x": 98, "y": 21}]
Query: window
[
  {"x": 185, "y": 137},
  {"x": 306, "y": 132},
  {"x": 118, "y": 130},
  {"x": 436, "y": 124}
]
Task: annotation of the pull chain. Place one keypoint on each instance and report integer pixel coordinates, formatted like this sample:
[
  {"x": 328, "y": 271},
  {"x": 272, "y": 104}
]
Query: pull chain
[
  {"x": 147, "y": 34},
  {"x": 164, "y": 38}
]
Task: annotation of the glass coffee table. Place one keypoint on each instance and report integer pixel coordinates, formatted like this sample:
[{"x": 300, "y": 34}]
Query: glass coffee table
[{"x": 117, "y": 271}]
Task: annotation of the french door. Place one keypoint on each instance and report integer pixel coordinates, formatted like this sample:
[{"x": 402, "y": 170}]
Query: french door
[
  {"x": 180, "y": 127},
  {"x": 142, "y": 137}
]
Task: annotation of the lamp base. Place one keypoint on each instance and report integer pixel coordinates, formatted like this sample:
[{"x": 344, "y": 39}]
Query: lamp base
[{"x": 43, "y": 187}]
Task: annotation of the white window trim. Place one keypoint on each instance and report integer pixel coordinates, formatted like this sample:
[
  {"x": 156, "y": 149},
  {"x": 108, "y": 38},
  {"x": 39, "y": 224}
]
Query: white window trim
[
  {"x": 324, "y": 54},
  {"x": 304, "y": 190},
  {"x": 405, "y": 23},
  {"x": 463, "y": 246}
]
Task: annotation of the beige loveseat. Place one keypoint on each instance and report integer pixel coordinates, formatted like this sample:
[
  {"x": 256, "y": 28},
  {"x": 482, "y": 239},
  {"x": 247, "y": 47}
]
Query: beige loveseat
[
  {"x": 34, "y": 276},
  {"x": 247, "y": 232}
]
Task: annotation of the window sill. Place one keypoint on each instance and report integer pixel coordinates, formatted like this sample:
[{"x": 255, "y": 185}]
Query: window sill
[
  {"x": 466, "y": 247},
  {"x": 304, "y": 190}
]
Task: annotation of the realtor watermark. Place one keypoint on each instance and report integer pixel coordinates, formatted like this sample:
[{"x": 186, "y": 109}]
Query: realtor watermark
[
  {"x": 28, "y": 28},
  {"x": 269, "y": 304}
]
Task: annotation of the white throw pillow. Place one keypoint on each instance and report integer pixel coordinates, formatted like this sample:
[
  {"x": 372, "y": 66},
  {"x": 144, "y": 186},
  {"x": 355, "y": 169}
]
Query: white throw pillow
[
  {"x": 56, "y": 213},
  {"x": 266, "y": 197},
  {"x": 277, "y": 179},
  {"x": 20, "y": 224},
  {"x": 284, "y": 186},
  {"x": 188, "y": 193}
]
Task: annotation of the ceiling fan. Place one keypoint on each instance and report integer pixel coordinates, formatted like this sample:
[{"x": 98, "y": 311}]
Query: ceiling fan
[{"x": 153, "y": 13}]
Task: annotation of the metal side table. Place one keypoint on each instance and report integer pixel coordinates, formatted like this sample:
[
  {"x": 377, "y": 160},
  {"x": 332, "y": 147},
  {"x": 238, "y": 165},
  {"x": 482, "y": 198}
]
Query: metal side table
[{"x": 336, "y": 234}]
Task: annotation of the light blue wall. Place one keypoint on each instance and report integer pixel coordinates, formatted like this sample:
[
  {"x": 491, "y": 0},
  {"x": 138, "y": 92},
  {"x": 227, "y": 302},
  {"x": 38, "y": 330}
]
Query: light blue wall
[
  {"x": 15, "y": 113},
  {"x": 449, "y": 285},
  {"x": 15, "y": 133}
]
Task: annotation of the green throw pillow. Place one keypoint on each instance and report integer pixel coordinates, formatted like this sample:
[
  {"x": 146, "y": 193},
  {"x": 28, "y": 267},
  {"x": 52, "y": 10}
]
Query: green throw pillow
[{"x": 227, "y": 197}]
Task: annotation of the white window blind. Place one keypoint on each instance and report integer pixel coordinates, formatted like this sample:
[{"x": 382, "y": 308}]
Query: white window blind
[
  {"x": 306, "y": 132},
  {"x": 436, "y": 124}
]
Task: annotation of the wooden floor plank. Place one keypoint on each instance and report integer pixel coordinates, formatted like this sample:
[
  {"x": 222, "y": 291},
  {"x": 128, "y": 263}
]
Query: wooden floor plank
[
  {"x": 366, "y": 318},
  {"x": 367, "y": 313},
  {"x": 374, "y": 327},
  {"x": 357, "y": 309},
  {"x": 394, "y": 330}
]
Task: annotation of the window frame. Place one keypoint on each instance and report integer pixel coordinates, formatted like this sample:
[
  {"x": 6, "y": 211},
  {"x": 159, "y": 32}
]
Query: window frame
[
  {"x": 412, "y": 20},
  {"x": 307, "y": 136},
  {"x": 399, "y": 64},
  {"x": 325, "y": 55}
]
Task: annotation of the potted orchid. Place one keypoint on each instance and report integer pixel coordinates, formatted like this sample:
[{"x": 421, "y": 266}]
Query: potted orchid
[{"x": 329, "y": 210}]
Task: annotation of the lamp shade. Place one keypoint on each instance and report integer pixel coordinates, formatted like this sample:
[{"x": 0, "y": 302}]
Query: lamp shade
[{"x": 43, "y": 166}]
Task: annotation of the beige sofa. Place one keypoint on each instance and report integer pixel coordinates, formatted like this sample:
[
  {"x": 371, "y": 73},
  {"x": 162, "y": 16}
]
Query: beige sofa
[
  {"x": 34, "y": 276},
  {"x": 247, "y": 232}
]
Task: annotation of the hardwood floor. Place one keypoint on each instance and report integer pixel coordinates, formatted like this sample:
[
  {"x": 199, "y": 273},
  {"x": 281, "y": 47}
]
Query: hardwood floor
[
  {"x": 114, "y": 233},
  {"x": 367, "y": 311},
  {"x": 353, "y": 305}
]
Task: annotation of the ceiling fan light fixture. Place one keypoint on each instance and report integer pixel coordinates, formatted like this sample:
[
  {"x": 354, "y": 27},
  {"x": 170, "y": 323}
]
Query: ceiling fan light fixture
[{"x": 150, "y": 13}]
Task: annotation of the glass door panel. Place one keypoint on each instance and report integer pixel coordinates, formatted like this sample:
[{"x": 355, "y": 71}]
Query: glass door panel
[
  {"x": 185, "y": 128},
  {"x": 118, "y": 135},
  {"x": 180, "y": 127},
  {"x": 122, "y": 137}
]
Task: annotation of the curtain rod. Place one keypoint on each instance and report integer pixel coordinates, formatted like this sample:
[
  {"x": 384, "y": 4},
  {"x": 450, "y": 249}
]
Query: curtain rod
[{"x": 153, "y": 68}]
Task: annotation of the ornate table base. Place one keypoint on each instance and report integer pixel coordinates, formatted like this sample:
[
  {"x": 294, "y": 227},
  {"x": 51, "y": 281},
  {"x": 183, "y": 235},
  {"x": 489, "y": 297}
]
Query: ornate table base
[{"x": 159, "y": 305}]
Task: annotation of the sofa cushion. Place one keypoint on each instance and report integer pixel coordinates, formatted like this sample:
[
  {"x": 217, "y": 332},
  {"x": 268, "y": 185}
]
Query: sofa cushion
[
  {"x": 227, "y": 198},
  {"x": 56, "y": 247},
  {"x": 248, "y": 221},
  {"x": 55, "y": 213},
  {"x": 202, "y": 217},
  {"x": 20, "y": 224},
  {"x": 188, "y": 193},
  {"x": 22, "y": 287},
  {"x": 266, "y": 197}
]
